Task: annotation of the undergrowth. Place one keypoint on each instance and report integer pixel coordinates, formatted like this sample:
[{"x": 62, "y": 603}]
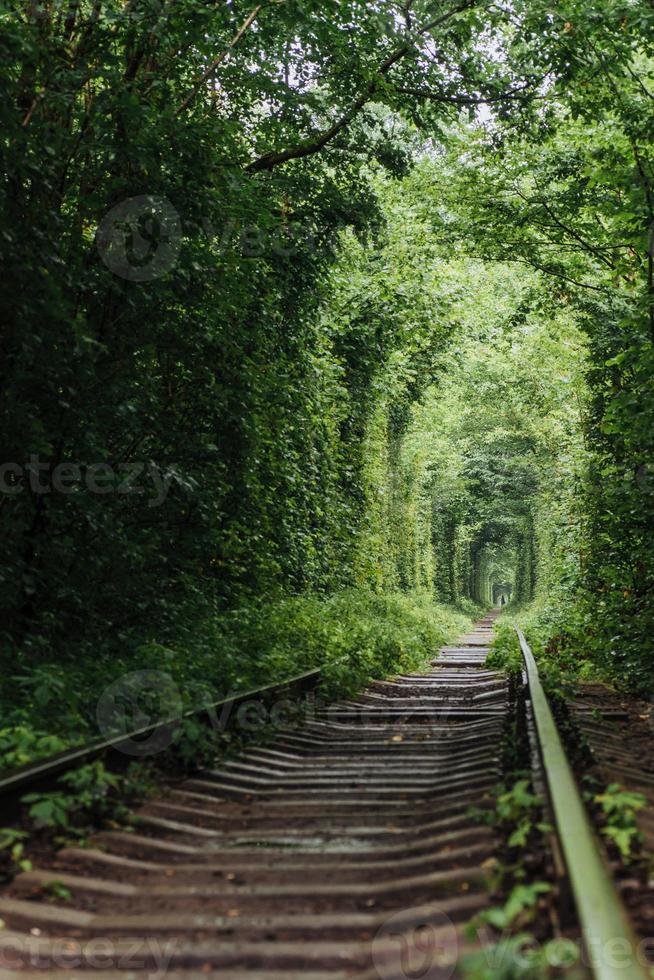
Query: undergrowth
[
  {"x": 353, "y": 636},
  {"x": 559, "y": 675},
  {"x": 560, "y": 637}
]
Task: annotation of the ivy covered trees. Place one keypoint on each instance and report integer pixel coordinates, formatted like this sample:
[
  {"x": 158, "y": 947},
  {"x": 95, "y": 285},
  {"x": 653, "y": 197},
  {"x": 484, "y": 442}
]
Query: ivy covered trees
[
  {"x": 175, "y": 178},
  {"x": 473, "y": 464},
  {"x": 309, "y": 297},
  {"x": 572, "y": 194}
]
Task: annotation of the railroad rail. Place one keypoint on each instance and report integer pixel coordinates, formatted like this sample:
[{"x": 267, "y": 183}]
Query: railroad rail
[
  {"x": 602, "y": 916},
  {"x": 343, "y": 848},
  {"x": 117, "y": 751}
]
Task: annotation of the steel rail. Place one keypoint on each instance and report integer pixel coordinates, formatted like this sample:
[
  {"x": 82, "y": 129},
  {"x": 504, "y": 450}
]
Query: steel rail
[
  {"x": 43, "y": 774},
  {"x": 610, "y": 942}
]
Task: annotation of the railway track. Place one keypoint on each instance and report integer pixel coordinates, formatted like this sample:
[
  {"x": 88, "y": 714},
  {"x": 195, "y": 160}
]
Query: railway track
[{"x": 342, "y": 849}]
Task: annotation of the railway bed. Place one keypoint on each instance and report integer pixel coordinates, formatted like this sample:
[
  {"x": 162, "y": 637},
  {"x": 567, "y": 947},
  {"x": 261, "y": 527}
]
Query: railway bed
[{"x": 344, "y": 848}]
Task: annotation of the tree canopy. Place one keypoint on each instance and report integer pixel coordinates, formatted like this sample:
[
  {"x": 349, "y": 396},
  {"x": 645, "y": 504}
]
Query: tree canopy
[{"x": 316, "y": 299}]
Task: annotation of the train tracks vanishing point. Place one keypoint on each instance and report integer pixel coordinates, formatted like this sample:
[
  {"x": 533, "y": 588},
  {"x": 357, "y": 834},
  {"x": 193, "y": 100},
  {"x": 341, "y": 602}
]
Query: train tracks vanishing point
[{"x": 343, "y": 849}]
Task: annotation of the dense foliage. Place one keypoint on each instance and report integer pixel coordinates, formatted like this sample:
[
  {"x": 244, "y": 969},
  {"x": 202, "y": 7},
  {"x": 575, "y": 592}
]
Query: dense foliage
[
  {"x": 473, "y": 451},
  {"x": 290, "y": 321},
  {"x": 175, "y": 177},
  {"x": 572, "y": 194}
]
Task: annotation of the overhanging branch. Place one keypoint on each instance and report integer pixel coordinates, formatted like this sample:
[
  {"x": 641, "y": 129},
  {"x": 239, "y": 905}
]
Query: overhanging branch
[{"x": 308, "y": 147}]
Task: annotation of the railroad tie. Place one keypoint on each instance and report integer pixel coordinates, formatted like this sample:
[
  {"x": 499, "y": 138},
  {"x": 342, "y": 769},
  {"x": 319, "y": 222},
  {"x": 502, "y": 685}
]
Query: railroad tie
[{"x": 332, "y": 852}]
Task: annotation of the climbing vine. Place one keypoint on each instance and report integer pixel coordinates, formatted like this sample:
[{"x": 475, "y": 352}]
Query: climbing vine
[{"x": 319, "y": 299}]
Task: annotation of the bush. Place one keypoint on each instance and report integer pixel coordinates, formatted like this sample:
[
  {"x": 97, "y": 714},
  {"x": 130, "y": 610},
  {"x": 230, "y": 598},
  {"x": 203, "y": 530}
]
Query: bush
[
  {"x": 353, "y": 636},
  {"x": 558, "y": 649}
]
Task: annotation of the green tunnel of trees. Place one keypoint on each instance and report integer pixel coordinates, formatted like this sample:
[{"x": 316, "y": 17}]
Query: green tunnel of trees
[{"x": 322, "y": 322}]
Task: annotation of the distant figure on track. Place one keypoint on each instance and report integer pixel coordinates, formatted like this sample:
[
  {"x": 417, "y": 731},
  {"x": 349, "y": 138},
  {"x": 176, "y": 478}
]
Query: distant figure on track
[{"x": 502, "y": 600}]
